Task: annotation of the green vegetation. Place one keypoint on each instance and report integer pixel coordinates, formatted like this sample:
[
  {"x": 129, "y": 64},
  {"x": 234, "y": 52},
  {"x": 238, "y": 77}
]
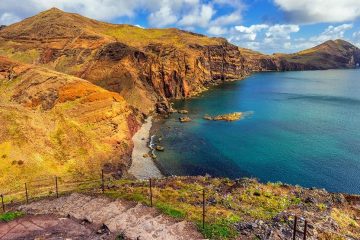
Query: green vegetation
[
  {"x": 227, "y": 202},
  {"x": 182, "y": 198},
  {"x": 219, "y": 230},
  {"x": 170, "y": 210},
  {"x": 137, "y": 37},
  {"x": 121, "y": 237},
  {"x": 28, "y": 56},
  {"x": 9, "y": 216}
]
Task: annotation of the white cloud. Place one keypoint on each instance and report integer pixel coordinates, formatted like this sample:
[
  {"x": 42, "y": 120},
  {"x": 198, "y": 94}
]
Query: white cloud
[
  {"x": 102, "y": 10},
  {"x": 281, "y": 31},
  {"x": 332, "y": 32},
  {"x": 234, "y": 17},
  {"x": 356, "y": 35},
  {"x": 317, "y": 11},
  {"x": 188, "y": 14},
  {"x": 215, "y": 30},
  {"x": 278, "y": 37},
  {"x": 264, "y": 37},
  {"x": 249, "y": 33},
  {"x": 163, "y": 17},
  {"x": 356, "y": 38},
  {"x": 329, "y": 33},
  {"x": 200, "y": 16},
  {"x": 8, "y": 18}
]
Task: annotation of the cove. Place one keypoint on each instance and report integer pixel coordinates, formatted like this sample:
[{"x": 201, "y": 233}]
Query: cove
[{"x": 300, "y": 128}]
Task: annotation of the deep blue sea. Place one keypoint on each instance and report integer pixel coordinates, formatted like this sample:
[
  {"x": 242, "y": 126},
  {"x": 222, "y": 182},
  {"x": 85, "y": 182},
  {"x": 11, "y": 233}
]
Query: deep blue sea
[{"x": 300, "y": 128}]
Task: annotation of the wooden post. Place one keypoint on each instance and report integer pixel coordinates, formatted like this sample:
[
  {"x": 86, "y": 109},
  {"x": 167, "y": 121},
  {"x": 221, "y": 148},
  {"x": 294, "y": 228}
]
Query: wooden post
[
  {"x": 102, "y": 181},
  {"x": 295, "y": 223},
  {"x": 2, "y": 203},
  {"x": 26, "y": 194},
  {"x": 305, "y": 230},
  {"x": 56, "y": 187},
  {"x": 203, "y": 208},
  {"x": 151, "y": 194}
]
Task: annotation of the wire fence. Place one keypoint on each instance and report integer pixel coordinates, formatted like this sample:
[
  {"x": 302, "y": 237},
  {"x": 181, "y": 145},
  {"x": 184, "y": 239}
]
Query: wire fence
[{"x": 152, "y": 192}]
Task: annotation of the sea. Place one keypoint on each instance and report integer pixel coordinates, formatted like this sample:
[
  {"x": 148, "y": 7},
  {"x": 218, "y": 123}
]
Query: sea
[{"x": 298, "y": 128}]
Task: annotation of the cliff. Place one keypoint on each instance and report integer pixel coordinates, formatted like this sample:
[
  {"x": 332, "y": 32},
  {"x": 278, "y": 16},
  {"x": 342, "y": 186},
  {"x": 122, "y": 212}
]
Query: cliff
[
  {"x": 52, "y": 123},
  {"x": 146, "y": 66},
  {"x": 150, "y": 66}
]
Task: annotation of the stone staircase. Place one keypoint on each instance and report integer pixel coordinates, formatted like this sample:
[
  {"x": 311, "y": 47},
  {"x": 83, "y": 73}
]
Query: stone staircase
[{"x": 134, "y": 221}]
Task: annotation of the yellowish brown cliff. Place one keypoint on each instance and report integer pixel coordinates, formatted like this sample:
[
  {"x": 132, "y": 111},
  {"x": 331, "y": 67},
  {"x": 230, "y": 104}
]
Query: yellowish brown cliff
[{"x": 52, "y": 123}]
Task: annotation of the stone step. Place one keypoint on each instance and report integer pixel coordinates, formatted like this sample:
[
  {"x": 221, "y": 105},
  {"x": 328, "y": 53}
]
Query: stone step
[{"x": 136, "y": 221}]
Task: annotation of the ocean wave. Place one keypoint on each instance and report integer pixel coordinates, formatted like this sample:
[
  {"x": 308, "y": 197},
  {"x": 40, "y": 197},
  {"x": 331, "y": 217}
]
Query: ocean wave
[{"x": 152, "y": 145}]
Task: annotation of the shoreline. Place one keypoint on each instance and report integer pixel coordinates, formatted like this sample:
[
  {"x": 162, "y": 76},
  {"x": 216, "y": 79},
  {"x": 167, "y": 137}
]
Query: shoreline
[{"x": 143, "y": 167}]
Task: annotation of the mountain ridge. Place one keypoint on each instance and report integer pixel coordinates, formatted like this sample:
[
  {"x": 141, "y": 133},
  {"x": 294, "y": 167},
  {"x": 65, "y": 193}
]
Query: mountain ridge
[{"x": 154, "y": 65}]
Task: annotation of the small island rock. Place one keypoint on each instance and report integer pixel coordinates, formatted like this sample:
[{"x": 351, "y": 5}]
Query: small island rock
[
  {"x": 184, "y": 119},
  {"x": 225, "y": 117},
  {"x": 183, "y": 111},
  {"x": 160, "y": 148}
]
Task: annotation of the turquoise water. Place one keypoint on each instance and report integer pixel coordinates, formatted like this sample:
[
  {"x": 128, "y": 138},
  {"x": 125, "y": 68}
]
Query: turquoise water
[{"x": 300, "y": 128}]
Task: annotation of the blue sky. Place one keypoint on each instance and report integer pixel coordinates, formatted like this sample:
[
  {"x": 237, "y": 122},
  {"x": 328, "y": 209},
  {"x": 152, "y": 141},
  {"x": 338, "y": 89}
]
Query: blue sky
[{"x": 264, "y": 25}]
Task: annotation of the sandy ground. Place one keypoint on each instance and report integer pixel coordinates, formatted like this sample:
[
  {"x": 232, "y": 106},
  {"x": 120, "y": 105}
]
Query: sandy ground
[{"x": 143, "y": 168}]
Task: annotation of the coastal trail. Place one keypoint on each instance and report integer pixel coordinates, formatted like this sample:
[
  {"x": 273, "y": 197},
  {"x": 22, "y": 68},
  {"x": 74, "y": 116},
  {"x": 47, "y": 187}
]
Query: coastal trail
[{"x": 117, "y": 217}]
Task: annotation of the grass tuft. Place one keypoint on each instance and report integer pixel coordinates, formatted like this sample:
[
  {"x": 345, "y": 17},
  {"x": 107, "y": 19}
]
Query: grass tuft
[{"x": 9, "y": 216}]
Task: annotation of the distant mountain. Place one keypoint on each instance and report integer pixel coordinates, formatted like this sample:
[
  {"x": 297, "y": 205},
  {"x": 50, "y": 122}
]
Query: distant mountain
[
  {"x": 328, "y": 55},
  {"x": 73, "y": 90}
]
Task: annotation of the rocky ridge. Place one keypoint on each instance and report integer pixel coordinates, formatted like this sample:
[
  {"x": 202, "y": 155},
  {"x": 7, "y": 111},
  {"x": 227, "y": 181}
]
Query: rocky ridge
[{"x": 150, "y": 66}]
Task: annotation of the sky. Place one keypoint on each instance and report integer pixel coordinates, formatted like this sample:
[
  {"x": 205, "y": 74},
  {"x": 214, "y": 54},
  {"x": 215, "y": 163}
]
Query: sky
[{"x": 268, "y": 26}]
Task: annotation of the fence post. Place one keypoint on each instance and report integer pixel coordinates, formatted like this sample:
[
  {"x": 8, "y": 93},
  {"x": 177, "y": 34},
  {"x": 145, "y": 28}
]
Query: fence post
[
  {"x": 102, "y": 181},
  {"x": 305, "y": 230},
  {"x": 2, "y": 203},
  {"x": 56, "y": 187},
  {"x": 295, "y": 222},
  {"x": 26, "y": 194},
  {"x": 151, "y": 194},
  {"x": 203, "y": 208}
]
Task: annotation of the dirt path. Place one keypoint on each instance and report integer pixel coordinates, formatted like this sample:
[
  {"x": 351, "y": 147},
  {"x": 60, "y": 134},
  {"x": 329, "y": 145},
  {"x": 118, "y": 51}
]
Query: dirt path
[
  {"x": 50, "y": 227},
  {"x": 134, "y": 221}
]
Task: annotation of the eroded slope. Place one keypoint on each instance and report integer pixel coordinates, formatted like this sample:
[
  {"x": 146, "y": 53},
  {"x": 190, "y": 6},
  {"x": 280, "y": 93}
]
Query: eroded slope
[{"x": 52, "y": 123}]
